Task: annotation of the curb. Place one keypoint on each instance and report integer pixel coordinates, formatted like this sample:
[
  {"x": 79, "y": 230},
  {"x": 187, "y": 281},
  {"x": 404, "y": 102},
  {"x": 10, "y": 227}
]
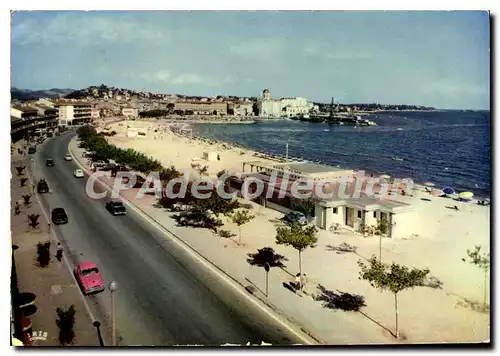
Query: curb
[{"x": 278, "y": 315}]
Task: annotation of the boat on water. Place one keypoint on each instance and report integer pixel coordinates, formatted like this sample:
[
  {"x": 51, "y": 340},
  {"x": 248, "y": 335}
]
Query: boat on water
[{"x": 397, "y": 159}]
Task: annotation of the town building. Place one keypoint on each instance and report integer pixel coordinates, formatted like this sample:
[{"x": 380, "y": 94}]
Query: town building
[
  {"x": 201, "y": 108},
  {"x": 130, "y": 112},
  {"x": 26, "y": 119},
  {"x": 269, "y": 107},
  {"x": 241, "y": 108},
  {"x": 283, "y": 107},
  {"x": 73, "y": 112},
  {"x": 95, "y": 113}
]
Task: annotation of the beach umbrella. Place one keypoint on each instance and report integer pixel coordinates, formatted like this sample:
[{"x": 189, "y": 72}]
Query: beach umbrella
[
  {"x": 466, "y": 195},
  {"x": 448, "y": 190},
  {"x": 429, "y": 184},
  {"x": 385, "y": 176}
]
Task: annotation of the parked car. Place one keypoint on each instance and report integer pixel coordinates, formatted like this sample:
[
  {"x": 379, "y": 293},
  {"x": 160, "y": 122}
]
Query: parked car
[
  {"x": 50, "y": 134},
  {"x": 78, "y": 173},
  {"x": 116, "y": 207},
  {"x": 295, "y": 216},
  {"x": 42, "y": 186},
  {"x": 59, "y": 216},
  {"x": 31, "y": 150},
  {"x": 50, "y": 162},
  {"x": 68, "y": 157},
  {"x": 89, "y": 277}
]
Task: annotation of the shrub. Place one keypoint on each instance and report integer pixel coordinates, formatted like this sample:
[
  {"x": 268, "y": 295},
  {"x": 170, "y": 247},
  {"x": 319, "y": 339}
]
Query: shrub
[
  {"x": 34, "y": 220},
  {"x": 20, "y": 170},
  {"x": 27, "y": 199}
]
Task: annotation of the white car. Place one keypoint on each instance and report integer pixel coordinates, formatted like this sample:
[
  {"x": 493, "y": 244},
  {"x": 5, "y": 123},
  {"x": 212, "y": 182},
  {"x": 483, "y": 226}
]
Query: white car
[
  {"x": 78, "y": 173},
  {"x": 68, "y": 157}
]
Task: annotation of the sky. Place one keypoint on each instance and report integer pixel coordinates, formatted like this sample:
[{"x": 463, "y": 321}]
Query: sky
[{"x": 439, "y": 59}]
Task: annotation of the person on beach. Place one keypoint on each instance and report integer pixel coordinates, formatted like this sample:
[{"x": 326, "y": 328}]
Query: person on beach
[{"x": 17, "y": 208}]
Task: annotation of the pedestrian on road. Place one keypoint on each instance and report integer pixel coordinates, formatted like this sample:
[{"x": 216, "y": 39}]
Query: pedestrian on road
[{"x": 59, "y": 254}]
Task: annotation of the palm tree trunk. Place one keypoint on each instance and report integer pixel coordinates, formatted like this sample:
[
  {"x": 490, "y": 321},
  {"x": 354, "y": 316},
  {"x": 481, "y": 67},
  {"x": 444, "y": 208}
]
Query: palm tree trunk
[
  {"x": 396, "y": 308},
  {"x": 239, "y": 240}
]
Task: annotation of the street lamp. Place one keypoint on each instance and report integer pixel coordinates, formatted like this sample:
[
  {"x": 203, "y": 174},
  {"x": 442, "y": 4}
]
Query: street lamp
[{"x": 113, "y": 286}]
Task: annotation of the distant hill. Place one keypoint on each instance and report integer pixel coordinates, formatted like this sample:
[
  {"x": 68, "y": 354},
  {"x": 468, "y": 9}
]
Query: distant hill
[{"x": 26, "y": 94}]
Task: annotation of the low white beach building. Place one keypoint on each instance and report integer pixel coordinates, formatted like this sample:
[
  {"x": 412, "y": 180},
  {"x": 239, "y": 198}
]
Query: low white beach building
[{"x": 353, "y": 213}]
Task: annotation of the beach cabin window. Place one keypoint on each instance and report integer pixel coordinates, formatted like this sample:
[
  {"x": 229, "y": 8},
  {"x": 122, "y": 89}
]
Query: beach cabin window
[
  {"x": 375, "y": 214},
  {"x": 335, "y": 210},
  {"x": 383, "y": 216},
  {"x": 359, "y": 214}
]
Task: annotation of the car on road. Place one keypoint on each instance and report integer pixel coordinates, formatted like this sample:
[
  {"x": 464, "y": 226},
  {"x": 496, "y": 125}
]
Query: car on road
[
  {"x": 42, "y": 186},
  {"x": 31, "y": 150},
  {"x": 59, "y": 216},
  {"x": 50, "y": 162},
  {"x": 295, "y": 216},
  {"x": 116, "y": 207},
  {"x": 78, "y": 173},
  {"x": 68, "y": 157},
  {"x": 89, "y": 277}
]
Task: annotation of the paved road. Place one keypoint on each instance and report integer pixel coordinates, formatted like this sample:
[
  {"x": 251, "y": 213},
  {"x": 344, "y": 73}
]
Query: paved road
[{"x": 164, "y": 297}]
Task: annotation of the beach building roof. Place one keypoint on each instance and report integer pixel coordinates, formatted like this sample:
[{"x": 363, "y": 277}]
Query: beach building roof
[
  {"x": 303, "y": 169},
  {"x": 361, "y": 201}
]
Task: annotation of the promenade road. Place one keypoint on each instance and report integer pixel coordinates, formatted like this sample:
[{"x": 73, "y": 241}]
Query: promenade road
[{"x": 164, "y": 296}]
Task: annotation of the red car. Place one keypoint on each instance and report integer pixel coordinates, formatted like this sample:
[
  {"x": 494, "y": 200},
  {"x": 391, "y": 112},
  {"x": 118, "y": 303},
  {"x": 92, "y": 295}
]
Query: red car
[{"x": 89, "y": 278}]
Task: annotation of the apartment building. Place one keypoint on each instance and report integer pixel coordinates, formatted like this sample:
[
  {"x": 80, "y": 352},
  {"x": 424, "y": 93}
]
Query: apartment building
[
  {"x": 24, "y": 119},
  {"x": 202, "y": 108},
  {"x": 73, "y": 112}
]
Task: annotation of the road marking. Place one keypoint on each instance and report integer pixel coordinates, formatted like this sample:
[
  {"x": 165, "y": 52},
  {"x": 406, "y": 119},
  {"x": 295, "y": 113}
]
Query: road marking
[
  {"x": 58, "y": 239},
  {"x": 194, "y": 254}
]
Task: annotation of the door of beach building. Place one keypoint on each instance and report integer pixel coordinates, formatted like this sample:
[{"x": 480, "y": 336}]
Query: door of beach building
[{"x": 349, "y": 216}]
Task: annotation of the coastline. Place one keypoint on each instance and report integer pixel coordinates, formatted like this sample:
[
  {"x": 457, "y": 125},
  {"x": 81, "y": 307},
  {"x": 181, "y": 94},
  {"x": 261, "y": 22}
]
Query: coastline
[
  {"x": 438, "y": 240},
  {"x": 236, "y": 151}
]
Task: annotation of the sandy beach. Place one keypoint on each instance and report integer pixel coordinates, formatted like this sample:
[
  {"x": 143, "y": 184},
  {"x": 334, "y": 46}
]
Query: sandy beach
[{"x": 439, "y": 242}]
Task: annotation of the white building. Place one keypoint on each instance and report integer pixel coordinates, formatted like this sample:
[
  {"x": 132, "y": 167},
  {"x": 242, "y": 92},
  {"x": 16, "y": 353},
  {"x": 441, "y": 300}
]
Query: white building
[
  {"x": 130, "y": 112},
  {"x": 269, "y": 107},
  {"x": 66, "y": 115},
  {"x": 284, "y": 107},
  {"x": 94, "y": 113}
]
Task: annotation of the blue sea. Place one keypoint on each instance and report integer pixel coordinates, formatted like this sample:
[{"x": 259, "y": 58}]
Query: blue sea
[{"x": 448, "y": 148}]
